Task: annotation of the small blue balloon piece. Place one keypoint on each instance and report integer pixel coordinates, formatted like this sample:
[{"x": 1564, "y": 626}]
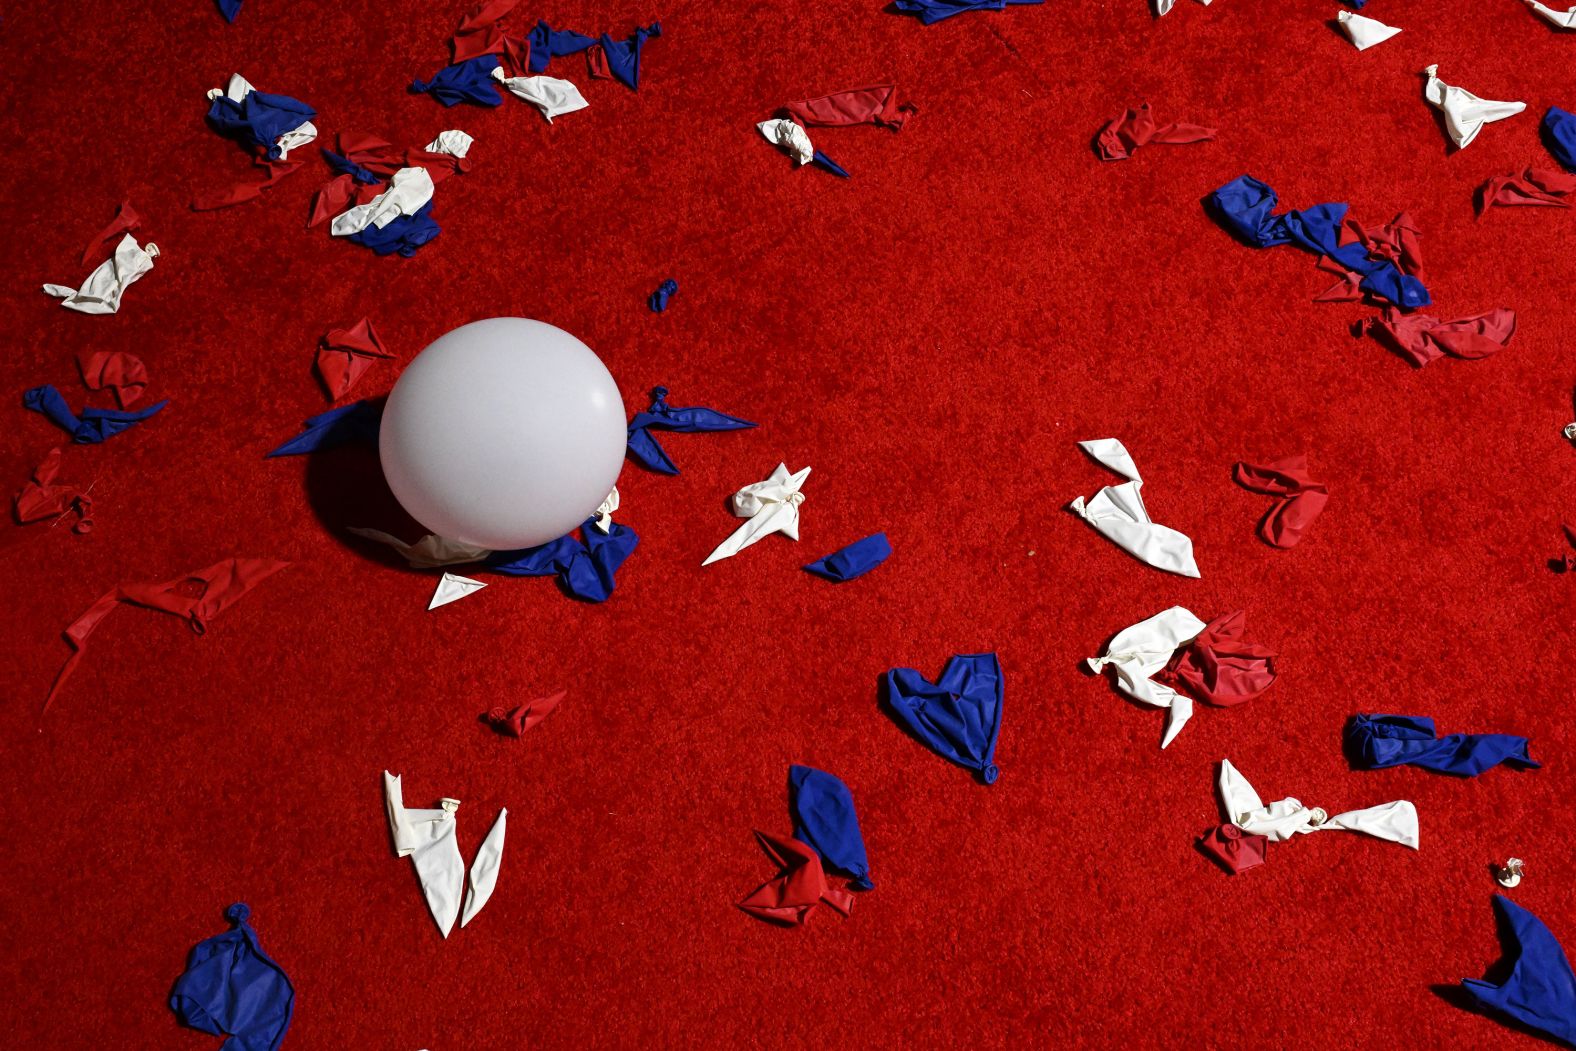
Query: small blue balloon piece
[
  {"x": 357, "y": 422},
  {"x": 824, "y": 819},
  {"x": 1559, "y": 135},
  {"x": 959, "y": 715},
  {"x": 855, "y": 560},
  {"x": 661, "y": 416},
  {"x": 90, "y": 428},
  {"x": 658, "y": 300},
  {"x": 822, "y": 160}
]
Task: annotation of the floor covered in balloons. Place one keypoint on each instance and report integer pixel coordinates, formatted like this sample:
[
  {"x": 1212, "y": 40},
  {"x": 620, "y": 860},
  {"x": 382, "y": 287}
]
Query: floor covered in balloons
[{"x": 932, "y": 336}]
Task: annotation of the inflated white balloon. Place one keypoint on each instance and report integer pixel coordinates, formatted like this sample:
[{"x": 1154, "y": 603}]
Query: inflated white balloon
[{"x": 504, "y": 433}]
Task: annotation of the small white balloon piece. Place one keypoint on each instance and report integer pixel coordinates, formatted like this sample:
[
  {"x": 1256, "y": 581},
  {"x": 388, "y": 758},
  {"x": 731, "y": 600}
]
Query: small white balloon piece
[{"x": 503, "y": 434}]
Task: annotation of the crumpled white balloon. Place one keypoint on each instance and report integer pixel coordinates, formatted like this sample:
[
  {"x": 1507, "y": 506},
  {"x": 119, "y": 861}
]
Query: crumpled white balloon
[
  {"x": 1465, "y": 113},
  {"x": 794, "y": 140},
  {"x": 1395, "y": 822},
  {"x": 771, "y": 506},
  {"x": 303, "y": 133},
  {"x": 1558, "y": 19},
  {"x": 409, "y": 191},
  {"x": 430, "y": 552},
  {"x": 454, "y": 142},
  {"x": 1365, "y": 32},
  {"x": 1143, "y": 649},
  {"x": 428, "y": 838},
  {"x": 1117, "y": 513},
  {"x": 1163, "y": 7},
  {"x": 101, "y": 292},
  {"x": 604, "y": 513},
  {"x": 451, "y": 588},
  {"x": 552, "y": 96}
]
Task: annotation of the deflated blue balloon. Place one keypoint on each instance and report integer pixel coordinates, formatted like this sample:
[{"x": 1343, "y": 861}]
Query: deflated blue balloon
[
  {"x": 822, "y": 160},
  {"x": 1246, "y": 207},
  {"x": 357, "y": 422},
  {"x": 584, "y": 568},
  {"x": 1541, "y": 990},
  {"x": 404, "y": 234},
  {"x": 623, "y": 56},
  {"x": 1559, "y": 135},
  {"x": 258, "y": 119},
  {"x": 959, "y": 715},
  {"x": 658, "y": 300},
  {"x": 548, "y": 44},
  {"x": 468, "y": 81},
  {"x": 932, "y": 11},
  {"x": 229, "y": 9},
  {"x": 824, "y": 819},
  {"x": 346, "y": 166},
  {"x": 663, "y": 417},
  {"x": 1378, "y": 741},
  {"x": 231, "y": 988},
  {"x": 855, "y": 560},
  {"x": 93, "y": 426}
]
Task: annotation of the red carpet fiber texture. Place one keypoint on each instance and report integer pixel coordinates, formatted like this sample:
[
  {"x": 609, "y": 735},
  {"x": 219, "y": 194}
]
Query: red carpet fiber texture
[{"x": 932, "y": 336}]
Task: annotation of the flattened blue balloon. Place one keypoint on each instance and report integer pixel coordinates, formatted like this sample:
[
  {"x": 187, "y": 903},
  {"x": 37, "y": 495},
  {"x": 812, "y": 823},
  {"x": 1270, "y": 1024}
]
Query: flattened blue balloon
[
  {"x": 346, "y": 166},
  {"x": 357, "y": 422},
  {"x": 468, "y": 81},
  {"x": 830, "y": 165},
  {"x": 232, "y": 988},
  {"x": 663, "y": 417},
  {"x": 855, "y": 560},
  {"x": 548, "y": 44},
  {"x": 1379, "y": 741},
  {"x": 658, "y": 300},
  {"x": 403, "y": 235},
  {"x": 932, "y": 11},
  {"x": 1559, "y": 135},
  {"x": 1246, "y": 208},
  {"x": 1541, "y": 990},
  {"x": 824, "y": 820},
  {"x": 585, "y": 568},
  {"x": 959, "y": 715},
  {"x": 258, "y": 119},
  {"x": 623, "y": 56},
  {"x": 229, "y": 9},
  {"x": 93, "y": 426}
]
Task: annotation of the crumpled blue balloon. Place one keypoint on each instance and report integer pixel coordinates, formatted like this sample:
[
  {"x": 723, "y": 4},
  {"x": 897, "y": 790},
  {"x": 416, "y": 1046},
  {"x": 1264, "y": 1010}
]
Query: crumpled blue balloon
[
  {"x": 232, "y": 988},
  {"x": 404, "y": 234},
  {"x": 94, "y": 425},
  {"x": 229, "y": 9},
  {"x": 548, "y": 44},
  {"x": 1378, "y": 741},
  {"x": 258, "y": 119},
  {"x": 658, "y": 300},
  {"x": 932, "y": 11},
  {"x": 584, "y": 568},
  {"x": 623, "y": 56},
  {"x": 468, "y": 81},
  {"x": 1541, "y": 990},
  {"x": 855, "y": 560},
  {"x": 1559, "y": 135},
  {"x": 663, "y": 417},
  {"x": 822, "y": 160},
  {"x": 824, "y": 820},
  {"x": 1246, "y": 208},
  {"x": 357, "y": 422},
  {"x": 959, "y": 715}
]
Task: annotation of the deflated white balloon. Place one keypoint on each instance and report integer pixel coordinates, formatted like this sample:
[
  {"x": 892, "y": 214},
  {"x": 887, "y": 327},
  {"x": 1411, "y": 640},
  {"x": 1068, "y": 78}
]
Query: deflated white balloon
[{"x": 503, "y": 434}]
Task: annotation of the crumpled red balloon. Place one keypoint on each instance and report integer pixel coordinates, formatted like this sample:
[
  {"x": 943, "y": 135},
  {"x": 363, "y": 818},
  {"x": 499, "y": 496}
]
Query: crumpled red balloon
[
  {"x": 1399, "y": 242},
  {"x": 241, "y": 192},
  {"x": 126, "y": 219},
  {"x": 124, "y": 374},
  {"x": 1531, "y": 186},
  {"x": 1233, "y": 848},
  {"x": 1136, "y": 127},
  {"x": 1421, "y": 338},
  {"x": 790, "y": 896},
  {"x": 41, "y": 498},
  {"x": 1221, "y": 666},
  {"x": 1302, "y": 498},
  {"x": 197, "y": 597},
  {"x": 515, "y": 722},
  {"x": 346, "y": 354},
  {"x": 876, "y": 104},
  {"x": 482, "y": 32}
]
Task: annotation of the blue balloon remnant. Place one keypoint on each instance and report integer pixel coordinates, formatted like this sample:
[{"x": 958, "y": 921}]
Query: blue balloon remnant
[
  {"x": 855, "y": 560},
  {"x": 959, "y": 715},
  {"x": 232, "y": 988},
  {"x": 468, "y": 81},
  {"x": 403, "y": 235},
  {"x": 1559, "y": 135},
  {"x": 258, "y": 119},
  {"x": 623, "y": 56},
  {"x": 1541, "y": 990},
  {"x": 357, "y": 422},
  {"x": 931, "y": 11},
  {"x": 658, "y": 300},
  {"x": 663, "y": 417},
  {"x": 93, "y": 426},
  {"x": 548, "y": 44},
  {"x": 830, "y": 165},
  {"x": 1378, "y": 741},
  {"x": 1245, "y": 207},
  {"x": 584, "y": 568},
  {"x": 824, "y": 820},
  {"x": 229, "y": 9},
  {"x": 346, "y": 166}
]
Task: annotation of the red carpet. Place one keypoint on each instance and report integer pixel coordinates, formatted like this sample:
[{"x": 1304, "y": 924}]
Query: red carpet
[{"x": 932, "y": 336}]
